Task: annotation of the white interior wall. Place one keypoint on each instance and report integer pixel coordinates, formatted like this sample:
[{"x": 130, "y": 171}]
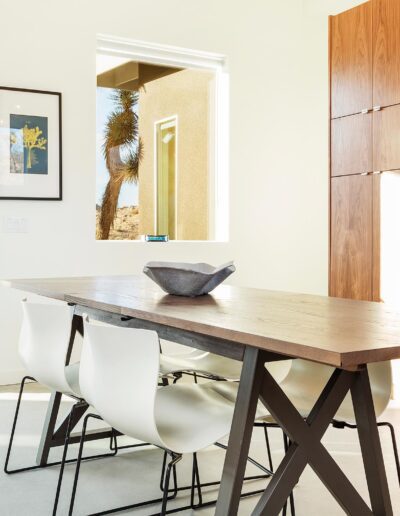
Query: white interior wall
[{"x": 277, "y": 60}]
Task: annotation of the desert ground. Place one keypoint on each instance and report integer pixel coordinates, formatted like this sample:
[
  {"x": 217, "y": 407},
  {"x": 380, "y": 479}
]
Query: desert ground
[{"x": 126, "y": 223}]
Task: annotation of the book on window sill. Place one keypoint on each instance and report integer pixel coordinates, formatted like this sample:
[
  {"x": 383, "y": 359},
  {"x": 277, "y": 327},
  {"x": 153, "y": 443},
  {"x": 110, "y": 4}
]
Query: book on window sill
[{"x": 156, "y": 238}]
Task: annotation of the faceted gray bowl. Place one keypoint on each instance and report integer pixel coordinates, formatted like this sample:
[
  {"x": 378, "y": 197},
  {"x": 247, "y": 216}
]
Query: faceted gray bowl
[{"x": 187, "y": 279}]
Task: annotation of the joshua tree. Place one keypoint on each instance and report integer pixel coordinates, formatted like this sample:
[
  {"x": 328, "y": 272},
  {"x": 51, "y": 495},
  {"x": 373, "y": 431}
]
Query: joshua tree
[
  {"x": 121, "y": 134},
  {"x": 33, "y": 140}
]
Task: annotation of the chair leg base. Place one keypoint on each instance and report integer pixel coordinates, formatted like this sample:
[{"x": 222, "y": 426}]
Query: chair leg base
[
  {"x": 344, "y": 424},
  {"x": 38, "y": 466},
  {"x": 169, "y": 494},
  {"x": 170, "y": 467},
  {"x": 14, "y": 425},
  {"x": 268, "y": 473}
]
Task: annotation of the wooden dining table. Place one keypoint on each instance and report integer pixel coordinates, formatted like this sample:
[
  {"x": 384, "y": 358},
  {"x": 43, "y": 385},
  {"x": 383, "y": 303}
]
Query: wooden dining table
[{"x": 257, "y": 326}]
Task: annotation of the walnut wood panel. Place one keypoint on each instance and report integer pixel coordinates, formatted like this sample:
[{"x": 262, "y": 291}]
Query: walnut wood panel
[
  {"x": 386, "y": 52},
  {"x": 351, "y": 237},
  {"x": 351, "y": 61},
  {"x": 386, "y": 138},
  {"x": 340, "y": 332},
  {"x": 351, "y": 145},
  {"x": 376, "y": 238}
]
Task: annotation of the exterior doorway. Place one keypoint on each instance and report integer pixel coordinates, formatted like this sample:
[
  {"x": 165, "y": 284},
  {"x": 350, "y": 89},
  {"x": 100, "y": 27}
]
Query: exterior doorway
[{"x": 166, "y": 170}]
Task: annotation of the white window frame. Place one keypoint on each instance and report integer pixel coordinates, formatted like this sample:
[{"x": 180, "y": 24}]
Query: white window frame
[{"x": 185, "y": 58}]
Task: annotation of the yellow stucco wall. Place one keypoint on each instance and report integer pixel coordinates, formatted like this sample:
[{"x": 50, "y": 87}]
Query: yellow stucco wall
[{"x": 185, "y": 94}]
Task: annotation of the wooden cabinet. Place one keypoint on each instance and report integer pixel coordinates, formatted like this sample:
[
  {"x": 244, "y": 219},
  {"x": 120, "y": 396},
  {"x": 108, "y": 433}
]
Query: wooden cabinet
[
  {"x": 351, "y": 61},
  {"x": 386, "y": 52},
  {"x": 386, "y": 138},
  {"x": 351, "y": 145},
  {"x": 351, "y": 237},
  {"x": 365, "y": 152}
]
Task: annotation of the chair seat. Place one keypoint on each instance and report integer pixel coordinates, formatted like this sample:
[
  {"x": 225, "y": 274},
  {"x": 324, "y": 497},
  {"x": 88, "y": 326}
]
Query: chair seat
[
  {"x": 229, "y": 391},
  {"x": 307, "y": 380},
  {"x": 303, "y": 404},
  {"x": 72, "y": 376},
  {"x": 303, "y": 395},
  {"x": 201, "y": 362},
  {"x": 182, "y": 409}
]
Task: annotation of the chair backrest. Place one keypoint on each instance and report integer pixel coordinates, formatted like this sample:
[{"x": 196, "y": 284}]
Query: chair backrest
[
  {"x": 118, "y": 376},
  {"x": 381, "y": 378},
  {"x": 309, "y": 378},
  {"x": 44, "y": 340}
]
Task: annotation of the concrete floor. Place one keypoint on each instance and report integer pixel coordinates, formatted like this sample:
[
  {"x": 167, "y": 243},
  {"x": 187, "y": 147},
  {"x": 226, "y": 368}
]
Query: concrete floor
[{"x": 134, "y": 475}]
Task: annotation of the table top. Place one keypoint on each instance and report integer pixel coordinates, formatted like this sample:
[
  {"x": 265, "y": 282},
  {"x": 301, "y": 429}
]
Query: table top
[{"x": 339, "y": 332}]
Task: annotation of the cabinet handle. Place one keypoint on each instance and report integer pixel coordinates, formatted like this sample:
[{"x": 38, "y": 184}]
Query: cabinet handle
[
  {"x": 364, "y": 173},
  {"x": 365, "y": 111},
  {"x": 377, "y": 108},
  {"x": 376, "y": 172}
]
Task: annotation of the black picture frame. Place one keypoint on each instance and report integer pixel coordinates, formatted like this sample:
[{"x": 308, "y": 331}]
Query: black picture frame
[{"x": 60, "y": 174}]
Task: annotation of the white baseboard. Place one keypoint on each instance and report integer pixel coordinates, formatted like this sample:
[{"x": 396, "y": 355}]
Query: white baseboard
[{"x": 11, "y": 377}]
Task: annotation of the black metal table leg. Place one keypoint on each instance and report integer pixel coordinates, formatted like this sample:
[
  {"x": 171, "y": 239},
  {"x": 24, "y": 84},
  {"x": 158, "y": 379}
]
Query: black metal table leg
[
  {"x": 306, "y": 447},
  {"x": 242, "y": 428},
  {"x": 49, "y": 427},
  {"x": 370, "y": 444}
]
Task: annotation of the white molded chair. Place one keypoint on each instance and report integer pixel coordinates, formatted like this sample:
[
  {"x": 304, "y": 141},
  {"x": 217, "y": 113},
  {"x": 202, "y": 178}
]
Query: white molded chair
[
  {"x": 203, "y": 364},
  {"x": 305, "y": 382},
  {"x": 119, "y": 375},
  {"x": 43, "y": 349},
  {"x": 313, "y": 377},
  {"x": 44, "y": 343},
  {"x": 177, "y": 360}
]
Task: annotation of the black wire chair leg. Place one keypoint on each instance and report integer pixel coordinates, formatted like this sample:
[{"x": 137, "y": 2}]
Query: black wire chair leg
[
  {"x": 177, "y": 376},
  {"x": 166, "y": 473},
  {"x": 39, "y": 466},
  {"x": 344, "y": 424},
  {"x": 394, "y": 445},
  {"x": 65, "y": 451},
  {"x": 267, "y": 472},
  {"x": 79, "y": 460},
  {"x": 175, "y": 492},
  {"x": 113, "y": 442},
  {"x": 199, "y": 493},
  {"x": 171, "y": 465},
  {"x": 196, "y": 484},
  {"x": 10, "y": 444},
  {"x": 271, "y": 465},
  {"x": 163, "y": 471},
  {"x": 193, "y": 482},
  {"x": 115, "y": 448}
]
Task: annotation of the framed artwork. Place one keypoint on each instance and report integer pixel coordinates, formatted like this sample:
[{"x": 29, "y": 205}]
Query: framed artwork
[{"x": 30, "y": 144}]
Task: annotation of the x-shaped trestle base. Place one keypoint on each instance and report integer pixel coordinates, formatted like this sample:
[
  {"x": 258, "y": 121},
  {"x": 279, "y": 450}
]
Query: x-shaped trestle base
[{"x": 306, "y": 448}]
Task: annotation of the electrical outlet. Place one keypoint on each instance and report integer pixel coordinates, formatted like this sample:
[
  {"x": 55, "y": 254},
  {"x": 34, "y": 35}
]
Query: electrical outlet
[{"x": 15, "y": 225}]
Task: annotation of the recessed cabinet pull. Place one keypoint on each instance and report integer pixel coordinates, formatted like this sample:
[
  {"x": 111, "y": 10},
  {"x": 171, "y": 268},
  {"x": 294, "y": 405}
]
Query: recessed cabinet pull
[
  {"x": 377, "y": 172},
  {"x": 365, "y": 111},
  {"x": 377, "y": 108},
  {"x": 364, "y": 173}
]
